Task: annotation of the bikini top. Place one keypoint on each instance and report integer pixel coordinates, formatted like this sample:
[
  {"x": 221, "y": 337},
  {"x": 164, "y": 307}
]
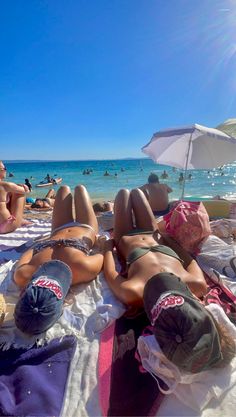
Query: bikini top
[{"x": 141, "y": 251}]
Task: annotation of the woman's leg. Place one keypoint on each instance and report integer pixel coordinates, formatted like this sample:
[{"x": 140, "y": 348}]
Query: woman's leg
[
  {"x": 16, "y": 209},
  {"x": 51, "y": 193},
  {"x": 62, "y": 210},
  {"x": 122, "y": 214},
  {"x": 144, "y": 216},
  {"x": 84, "y": 212}
]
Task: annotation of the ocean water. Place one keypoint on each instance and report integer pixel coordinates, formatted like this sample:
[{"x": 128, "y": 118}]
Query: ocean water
[{"x": 128, "y": 173}]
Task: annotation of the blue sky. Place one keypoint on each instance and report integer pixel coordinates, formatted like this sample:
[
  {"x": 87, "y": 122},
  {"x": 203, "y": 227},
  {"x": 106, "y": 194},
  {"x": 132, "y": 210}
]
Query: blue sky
[{"x": 94, "y": 79}]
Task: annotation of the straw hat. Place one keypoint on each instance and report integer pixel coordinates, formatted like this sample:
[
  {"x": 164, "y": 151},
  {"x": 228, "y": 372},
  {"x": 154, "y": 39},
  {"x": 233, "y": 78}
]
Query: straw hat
[{"x": 2, "y": 309}]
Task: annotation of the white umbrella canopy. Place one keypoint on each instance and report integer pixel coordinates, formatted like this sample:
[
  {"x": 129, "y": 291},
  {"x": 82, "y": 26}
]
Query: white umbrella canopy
[
  {"x": 191, "y": 147},
  {"x": 229, "y": 127}
]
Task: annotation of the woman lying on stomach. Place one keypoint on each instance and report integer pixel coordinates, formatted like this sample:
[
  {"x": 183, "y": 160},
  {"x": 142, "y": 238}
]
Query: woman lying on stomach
[
  {"x": 58, "y": 261},
  {"x": 168, "y": 283}
]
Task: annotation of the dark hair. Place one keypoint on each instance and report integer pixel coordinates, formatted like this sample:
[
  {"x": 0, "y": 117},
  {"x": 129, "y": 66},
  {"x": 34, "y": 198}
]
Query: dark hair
[
  {"x": 153, "y": 178},
  {"x": 98, "y": 207}
]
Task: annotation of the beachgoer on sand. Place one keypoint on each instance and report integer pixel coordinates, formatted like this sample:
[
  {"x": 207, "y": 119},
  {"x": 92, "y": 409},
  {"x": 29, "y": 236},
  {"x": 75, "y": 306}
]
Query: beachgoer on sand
[
  {"x": 157, "y": 195},
  {"x": 168, "y": 282},
  {"x": 12, "y": 202},
  {"x": 47, "y": 270},
  {"x": 103, "y": 207},
  {"x": 42, "y": 204}
]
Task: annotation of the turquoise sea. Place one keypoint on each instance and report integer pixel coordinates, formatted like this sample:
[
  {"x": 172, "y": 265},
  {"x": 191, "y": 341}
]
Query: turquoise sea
[{"x": 127, "y": 173}]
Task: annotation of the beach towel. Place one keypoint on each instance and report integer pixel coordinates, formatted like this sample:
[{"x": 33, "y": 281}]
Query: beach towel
[
  {"x": 13, "y": 244},
  {"x": 33, "y": 381},
  {"x": 133, "y": 392}
]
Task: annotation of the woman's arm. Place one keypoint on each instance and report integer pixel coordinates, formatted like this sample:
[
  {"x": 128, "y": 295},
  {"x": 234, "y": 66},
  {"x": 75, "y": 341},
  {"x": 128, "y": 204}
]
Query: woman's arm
[
  {"x": 169, "y": 189},
  {"x": 127, "y": 291},
  {"x": 94, "y": 265},
  {"x": 194, "y": 276},
  {"x": 24, "y": 271},
  {"x": 181, "y": 252},
  {"x": 10, "y": 187}
]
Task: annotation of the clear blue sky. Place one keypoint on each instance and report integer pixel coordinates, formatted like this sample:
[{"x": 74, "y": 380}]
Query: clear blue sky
[{"x": 83, "y": 79}]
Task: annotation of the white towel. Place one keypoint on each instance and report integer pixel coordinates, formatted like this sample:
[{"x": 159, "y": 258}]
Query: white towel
[
  {"x": 194, "y": 390},
  {"x": 218, "y": 255},
  {"x": 88, "y": 309}
]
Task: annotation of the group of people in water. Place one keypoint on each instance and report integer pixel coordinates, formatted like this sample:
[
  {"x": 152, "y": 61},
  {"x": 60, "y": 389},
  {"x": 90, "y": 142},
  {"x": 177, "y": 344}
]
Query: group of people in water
[{"x": 157, "y": 274}]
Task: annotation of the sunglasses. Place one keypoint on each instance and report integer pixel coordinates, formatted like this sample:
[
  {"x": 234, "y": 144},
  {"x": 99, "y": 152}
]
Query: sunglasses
[{"x": 3, "y": 169}]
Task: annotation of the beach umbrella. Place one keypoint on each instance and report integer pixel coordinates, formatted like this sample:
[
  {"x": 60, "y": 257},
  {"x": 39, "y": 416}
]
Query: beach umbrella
[
  {"x": 191, "y": 147},
  {"x": 228, "y": 127}
]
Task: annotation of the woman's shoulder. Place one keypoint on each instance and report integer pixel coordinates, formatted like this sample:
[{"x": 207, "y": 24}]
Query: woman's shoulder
[
  {"x": 3, "y": 188},
  {"x": 6, "y": 185}
]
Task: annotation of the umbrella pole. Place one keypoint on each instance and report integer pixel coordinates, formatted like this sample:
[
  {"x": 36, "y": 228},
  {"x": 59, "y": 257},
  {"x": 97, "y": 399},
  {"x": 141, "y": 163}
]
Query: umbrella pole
[{"x": 186, "y": 166}]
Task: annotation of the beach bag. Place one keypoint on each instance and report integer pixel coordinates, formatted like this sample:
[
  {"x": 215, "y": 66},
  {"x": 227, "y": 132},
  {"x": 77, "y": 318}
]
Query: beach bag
[{"x": 188, "y": 223}]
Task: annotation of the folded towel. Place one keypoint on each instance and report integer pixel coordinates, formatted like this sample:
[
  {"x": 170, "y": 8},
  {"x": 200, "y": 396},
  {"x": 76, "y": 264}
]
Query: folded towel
[{"x": 33, "y": 382}]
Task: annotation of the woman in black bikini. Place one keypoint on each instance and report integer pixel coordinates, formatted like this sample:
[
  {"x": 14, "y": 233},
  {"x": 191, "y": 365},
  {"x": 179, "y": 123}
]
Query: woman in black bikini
[
  {"x": 168, "y": 283},
  {"x": 70, "y": 241}
]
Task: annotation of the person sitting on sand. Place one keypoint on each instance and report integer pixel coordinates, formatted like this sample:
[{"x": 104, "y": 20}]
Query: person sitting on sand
[
  {"x": 168, "y": 283},
  {"x": 157, "y": 195},
  {"x": 104, "y": 213},
  {"x": 46, "y": 203},
  {"x": 12, "y": 202},
  {"x": 65, "y": 254}
]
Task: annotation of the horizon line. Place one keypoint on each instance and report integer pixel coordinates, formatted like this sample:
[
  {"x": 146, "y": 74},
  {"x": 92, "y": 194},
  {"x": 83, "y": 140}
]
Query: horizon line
[{"x": 73, "y": 160}]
